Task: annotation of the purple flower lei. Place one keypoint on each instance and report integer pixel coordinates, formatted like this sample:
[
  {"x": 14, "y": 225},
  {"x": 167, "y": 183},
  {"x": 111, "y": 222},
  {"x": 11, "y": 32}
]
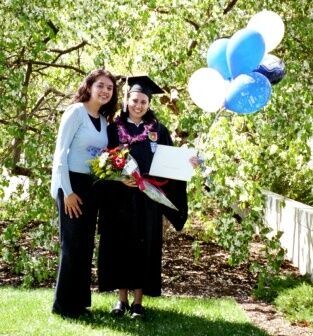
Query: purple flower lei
[{"x": 125, "y": 137}]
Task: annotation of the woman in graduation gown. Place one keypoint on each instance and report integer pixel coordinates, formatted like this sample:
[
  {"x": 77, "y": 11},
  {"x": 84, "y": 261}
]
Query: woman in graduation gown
[{"x": 130, "y": 223}]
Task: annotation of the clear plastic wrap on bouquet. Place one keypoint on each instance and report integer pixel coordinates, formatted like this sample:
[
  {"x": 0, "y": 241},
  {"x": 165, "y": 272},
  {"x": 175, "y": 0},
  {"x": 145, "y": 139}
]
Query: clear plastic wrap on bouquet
[{"x": 156, "y": 194}]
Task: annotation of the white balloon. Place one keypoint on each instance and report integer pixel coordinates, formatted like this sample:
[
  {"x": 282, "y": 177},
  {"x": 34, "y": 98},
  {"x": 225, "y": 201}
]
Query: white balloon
[
  {"x": 207, "y": 89},
  {"x": 270, "y": 26}
]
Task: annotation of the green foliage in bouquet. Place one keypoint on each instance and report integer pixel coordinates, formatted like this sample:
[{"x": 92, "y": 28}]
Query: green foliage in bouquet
[{"x": 110, "y": 163}]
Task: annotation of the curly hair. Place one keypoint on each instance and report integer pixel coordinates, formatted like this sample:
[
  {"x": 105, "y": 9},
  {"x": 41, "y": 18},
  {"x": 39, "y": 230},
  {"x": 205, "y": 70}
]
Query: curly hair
[{"x": 83, "y": 93}]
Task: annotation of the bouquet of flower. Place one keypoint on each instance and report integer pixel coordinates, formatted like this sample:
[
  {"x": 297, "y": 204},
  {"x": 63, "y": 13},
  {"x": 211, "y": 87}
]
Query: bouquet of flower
[
  {"x": 109, "y": 163},
  {"x": 117, "y": 163}
]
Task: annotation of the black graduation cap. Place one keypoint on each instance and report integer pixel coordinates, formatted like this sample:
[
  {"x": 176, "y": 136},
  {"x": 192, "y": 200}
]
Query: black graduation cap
[{"x": 142, "y": 84}]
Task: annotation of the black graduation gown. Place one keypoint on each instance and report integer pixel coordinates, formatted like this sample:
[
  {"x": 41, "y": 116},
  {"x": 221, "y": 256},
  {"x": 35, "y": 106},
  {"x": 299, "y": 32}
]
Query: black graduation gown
[{"x": 130, "y": 224}]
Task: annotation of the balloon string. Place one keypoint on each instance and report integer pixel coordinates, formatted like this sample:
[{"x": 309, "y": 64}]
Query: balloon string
[
  {"x": 217, "y": 115},
  {"x": 201, "y": 159}
]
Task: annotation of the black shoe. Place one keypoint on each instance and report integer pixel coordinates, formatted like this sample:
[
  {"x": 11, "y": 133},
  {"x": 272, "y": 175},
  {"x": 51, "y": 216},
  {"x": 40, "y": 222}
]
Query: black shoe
[
  {"x": 120, "y": 308},
  {"x": 137, "y": 311}
]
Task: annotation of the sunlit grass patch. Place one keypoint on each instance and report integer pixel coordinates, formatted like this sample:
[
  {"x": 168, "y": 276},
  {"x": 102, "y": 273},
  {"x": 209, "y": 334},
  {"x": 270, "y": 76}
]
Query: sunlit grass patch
[{"x": 28, "y": 312}]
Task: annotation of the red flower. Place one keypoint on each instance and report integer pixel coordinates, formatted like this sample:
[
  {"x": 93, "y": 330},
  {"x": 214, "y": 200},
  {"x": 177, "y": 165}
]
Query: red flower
[
  {"x": 109, "y": 165},
  {"x": 118, "y": 162}
]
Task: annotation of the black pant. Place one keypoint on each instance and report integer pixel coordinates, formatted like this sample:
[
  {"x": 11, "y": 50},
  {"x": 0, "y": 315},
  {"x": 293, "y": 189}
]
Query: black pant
[{"x": 72, "y": 291}]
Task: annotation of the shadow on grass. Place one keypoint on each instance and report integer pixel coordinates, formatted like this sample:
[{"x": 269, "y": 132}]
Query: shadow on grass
[
  {"x": 279, "y": 283},
  {"x": 168, "y": 323}
]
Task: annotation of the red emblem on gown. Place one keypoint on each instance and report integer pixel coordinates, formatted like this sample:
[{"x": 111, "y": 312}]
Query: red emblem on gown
[{"x": 153, "y": 136}]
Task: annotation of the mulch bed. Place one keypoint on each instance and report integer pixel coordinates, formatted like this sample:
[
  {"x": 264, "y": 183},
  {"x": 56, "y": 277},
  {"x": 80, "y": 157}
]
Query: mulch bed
[{"x": 210, "y": 276}]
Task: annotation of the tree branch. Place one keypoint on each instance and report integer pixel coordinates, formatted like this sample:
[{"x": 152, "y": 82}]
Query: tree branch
[
  {"x": 191, "y": 47},
  {"x": 162, "y": 11},
  {"x": 64, "y": 66},
  {"x": 18, "y": 170},
  {"x": 66, "y": 51},
  {"x": 194, "y": 24},
  {"x": 41, "y": 100},
  {"x": 17, "y": 146},
  {"x": 5, "y": 122},
  {"x": 69, "y": 50},
  {"x": 165, "y": 11},
  {"x": 53, "y": 27},
  {"x": 230, "y": 6}
]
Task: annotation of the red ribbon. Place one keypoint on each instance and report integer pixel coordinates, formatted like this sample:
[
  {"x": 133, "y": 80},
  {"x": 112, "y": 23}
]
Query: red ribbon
[
  {"x": 155, "y": 182},
  {"x": 140, "y": 181}
]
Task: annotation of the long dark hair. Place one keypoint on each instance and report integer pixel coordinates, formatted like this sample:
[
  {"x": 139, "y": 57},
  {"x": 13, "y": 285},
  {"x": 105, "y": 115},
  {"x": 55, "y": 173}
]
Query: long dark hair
[{"x": 83, "y": 93}]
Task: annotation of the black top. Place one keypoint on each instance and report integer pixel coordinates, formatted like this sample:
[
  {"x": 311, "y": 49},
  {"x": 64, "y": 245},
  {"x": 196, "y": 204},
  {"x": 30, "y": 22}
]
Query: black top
[{"x": 96, "y": 122}]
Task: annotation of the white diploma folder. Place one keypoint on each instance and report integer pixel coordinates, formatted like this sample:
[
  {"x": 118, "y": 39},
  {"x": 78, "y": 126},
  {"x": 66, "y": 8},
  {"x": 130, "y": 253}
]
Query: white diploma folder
[{"x": 172, "y": 162}]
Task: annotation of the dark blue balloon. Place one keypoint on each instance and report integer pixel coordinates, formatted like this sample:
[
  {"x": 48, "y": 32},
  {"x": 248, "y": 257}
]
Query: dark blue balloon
[
  {"x": 272, "y": 68},
  {"x": 248, "y": 93},
  {"x": 216, "y": 57},
  {"x": 245, "y": 51}
]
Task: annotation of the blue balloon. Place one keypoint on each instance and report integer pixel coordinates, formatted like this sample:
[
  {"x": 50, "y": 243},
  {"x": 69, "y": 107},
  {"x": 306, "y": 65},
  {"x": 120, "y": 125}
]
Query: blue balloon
[
  {"x": 248, "y": 93},
  {"x": 245, "y": 51},
  {"x": 216, "y": 57},
  {"x": 272, "y": 68}
]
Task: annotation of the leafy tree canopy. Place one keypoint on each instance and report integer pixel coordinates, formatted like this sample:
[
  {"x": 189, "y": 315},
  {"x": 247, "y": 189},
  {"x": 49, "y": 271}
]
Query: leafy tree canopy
[{"x": 47, "y": 46}]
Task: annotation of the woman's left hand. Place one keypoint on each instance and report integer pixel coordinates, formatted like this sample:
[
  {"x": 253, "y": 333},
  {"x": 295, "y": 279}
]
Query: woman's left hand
[{"x": 195, "y": 161}]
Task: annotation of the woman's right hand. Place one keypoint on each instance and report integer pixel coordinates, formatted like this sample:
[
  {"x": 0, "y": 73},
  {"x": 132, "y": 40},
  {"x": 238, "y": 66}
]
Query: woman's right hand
[
  {"x": 129, "y": 181},
  {"x": 72, "y": 204}
]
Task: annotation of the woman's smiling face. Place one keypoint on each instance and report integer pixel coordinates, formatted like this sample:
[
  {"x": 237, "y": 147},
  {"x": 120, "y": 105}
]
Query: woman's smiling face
[
  {"x": 101, "y": 90},
  {"x": 138, "y": 105}
]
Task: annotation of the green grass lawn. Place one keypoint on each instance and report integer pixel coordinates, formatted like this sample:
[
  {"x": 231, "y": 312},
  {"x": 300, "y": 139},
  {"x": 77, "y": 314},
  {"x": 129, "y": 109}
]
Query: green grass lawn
[
  {"x": 27, "y": 312},
  {"x": 297, "y": 303},
  {"x": 292, "y": 295}
]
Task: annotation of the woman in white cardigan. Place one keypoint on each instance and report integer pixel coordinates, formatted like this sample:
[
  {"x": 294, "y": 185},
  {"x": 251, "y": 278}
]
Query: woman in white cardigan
[{"x": 83, "y": 130}]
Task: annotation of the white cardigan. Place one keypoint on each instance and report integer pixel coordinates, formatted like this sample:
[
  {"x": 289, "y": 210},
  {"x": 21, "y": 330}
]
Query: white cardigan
[{"x": 76, "y": 134}]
